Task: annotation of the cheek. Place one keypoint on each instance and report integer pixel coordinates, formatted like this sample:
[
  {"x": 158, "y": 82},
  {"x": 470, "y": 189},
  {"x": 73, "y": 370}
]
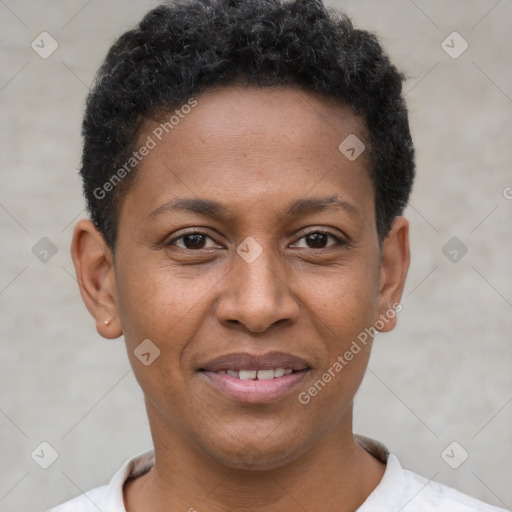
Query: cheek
[
  {"x": 155, "y": 303},
  {"x": 346, "y": 309},
  {"x": 345, "y": 302}
]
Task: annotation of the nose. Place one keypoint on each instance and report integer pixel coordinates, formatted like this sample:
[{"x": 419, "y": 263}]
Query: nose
[{"x": 256, "y": 297}]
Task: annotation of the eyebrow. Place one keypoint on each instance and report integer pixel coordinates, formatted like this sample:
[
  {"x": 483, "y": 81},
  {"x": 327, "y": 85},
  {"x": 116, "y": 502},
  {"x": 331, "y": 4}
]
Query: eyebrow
[{"x": 210, "y": 208}]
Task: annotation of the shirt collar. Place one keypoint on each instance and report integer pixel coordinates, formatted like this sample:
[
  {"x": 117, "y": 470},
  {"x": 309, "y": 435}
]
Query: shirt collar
[{"x": 141, "y": 463}]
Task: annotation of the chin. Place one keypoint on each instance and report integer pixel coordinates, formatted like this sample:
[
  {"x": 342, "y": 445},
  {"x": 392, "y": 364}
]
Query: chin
[{"x": 250, "y": 454}]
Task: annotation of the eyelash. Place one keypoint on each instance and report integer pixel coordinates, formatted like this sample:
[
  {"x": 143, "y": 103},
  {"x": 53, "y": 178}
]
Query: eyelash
[{"x": 339, "y": 241}]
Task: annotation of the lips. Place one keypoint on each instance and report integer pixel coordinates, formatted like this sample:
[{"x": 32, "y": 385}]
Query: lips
[
  {"x": 255, "y": 378},
  {"x": 257, "y": 374},
  {"x": 254, "y": 362}
]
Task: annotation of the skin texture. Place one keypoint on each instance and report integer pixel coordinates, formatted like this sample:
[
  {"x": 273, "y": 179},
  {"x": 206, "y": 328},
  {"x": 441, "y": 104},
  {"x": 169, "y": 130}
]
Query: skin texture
[{"x": 255, "y": 151}]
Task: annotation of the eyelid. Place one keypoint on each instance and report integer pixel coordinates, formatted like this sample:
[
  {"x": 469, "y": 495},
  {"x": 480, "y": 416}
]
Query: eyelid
[
  {"x": 340, "y": 240},
  {"x": 193, "y": 231}
]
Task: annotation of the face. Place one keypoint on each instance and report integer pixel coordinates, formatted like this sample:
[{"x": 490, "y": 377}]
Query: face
[{"x": 248, "y": 255}]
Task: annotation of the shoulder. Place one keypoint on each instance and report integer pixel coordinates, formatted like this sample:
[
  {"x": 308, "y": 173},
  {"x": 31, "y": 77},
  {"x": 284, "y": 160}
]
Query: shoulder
[
  {"x": 437, "y": 496},
  {"x": 405, "y": 490},
  {"x": 109, "y": 498}
]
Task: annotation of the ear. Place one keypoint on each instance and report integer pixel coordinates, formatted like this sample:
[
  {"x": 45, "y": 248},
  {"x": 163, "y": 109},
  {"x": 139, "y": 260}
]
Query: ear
[
  {"x": 94, "y": 267},
  {"x": 395, "y": 259}
]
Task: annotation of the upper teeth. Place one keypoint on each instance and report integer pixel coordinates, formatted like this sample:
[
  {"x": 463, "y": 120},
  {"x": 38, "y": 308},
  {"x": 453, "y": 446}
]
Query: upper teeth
[{"x": 259, "y": 374}]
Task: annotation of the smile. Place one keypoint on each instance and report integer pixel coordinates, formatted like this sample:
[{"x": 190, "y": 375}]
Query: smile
[
  {"x": 256, "y": 374},
  {"x": 255, "y": 378}
]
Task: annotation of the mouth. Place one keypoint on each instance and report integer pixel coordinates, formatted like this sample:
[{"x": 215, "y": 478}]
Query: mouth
[
  {"x": 255, "y": 379},
  {"x": 274, "y": 373}
]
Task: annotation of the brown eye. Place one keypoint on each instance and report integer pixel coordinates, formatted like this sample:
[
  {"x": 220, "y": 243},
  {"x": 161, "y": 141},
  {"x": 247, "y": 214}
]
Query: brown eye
[
  {"x": 320, "y": 240},
  {"x": 192, "y": 241},
  {"x": 317, "y": 240}
]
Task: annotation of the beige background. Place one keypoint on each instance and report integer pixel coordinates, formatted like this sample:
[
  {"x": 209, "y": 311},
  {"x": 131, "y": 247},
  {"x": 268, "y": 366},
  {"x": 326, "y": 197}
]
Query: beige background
[{"x": 445, "y": 373}]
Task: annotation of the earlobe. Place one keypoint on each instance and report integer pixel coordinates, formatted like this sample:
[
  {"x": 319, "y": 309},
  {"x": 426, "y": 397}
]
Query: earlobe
[
  {"x": 94, "y": 268},
  {"x": 395, "y": 261}
]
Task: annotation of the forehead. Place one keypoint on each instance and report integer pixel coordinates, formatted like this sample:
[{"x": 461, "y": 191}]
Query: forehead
[
  {"x": 276, "y": 114},
  {"x": 250, "y": 145}
]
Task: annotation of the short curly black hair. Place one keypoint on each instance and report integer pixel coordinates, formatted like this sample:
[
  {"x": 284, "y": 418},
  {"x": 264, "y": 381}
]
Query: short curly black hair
[{"x": 181, "y": 49}]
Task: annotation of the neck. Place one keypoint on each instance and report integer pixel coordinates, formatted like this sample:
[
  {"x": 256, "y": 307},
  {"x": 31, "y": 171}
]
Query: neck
[{"x": 334, "y": 474}]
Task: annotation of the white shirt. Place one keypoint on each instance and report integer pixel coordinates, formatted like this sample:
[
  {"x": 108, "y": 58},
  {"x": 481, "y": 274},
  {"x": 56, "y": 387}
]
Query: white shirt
[{"x": 398, "y": 490}]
